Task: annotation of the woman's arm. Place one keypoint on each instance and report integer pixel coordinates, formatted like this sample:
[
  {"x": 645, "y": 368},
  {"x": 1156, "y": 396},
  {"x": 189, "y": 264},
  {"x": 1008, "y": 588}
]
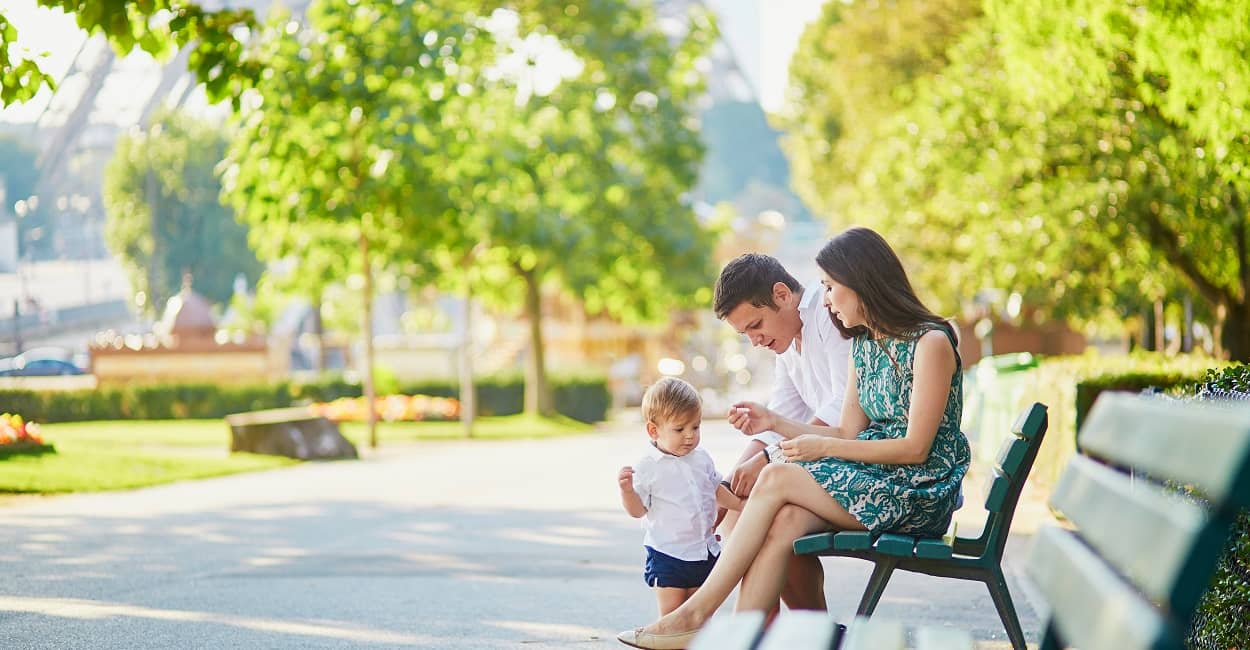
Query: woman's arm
[{"x": 934, "y": 366}]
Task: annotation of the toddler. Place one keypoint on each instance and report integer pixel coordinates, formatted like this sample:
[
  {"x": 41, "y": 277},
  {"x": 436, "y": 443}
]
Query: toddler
[{"x": 676, "y": 490}]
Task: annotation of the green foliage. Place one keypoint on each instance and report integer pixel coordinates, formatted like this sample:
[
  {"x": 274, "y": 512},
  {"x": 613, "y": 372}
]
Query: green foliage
[
  {"x": 1088, "y": 390},
  {"x": 582, "y": 398},
  {"x": 1045, "y": 150},
  {"x": 1221, "y": 619},
  {"x": 18, "y": 169},
  {"x": 1054, "y": 383},
  {"x": 159, "y": 27},
  {"x": 19, "y": 173},
  {"x": 164, "y": 217},
  {"x": 431, "y": 132}
]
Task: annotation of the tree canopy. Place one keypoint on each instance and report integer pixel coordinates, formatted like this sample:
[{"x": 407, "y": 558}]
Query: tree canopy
[
  {"x": 164, "y": 218},
  {"x": 158, "y": 27},
  {"x": 520, "y": 149},
  {"x": 1043, "y": 150}
]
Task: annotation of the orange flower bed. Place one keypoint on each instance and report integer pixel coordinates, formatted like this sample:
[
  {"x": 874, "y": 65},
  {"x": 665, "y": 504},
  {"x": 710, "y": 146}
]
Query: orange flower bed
[
  {"x": 392, "y": 408},
  {"x": 20, "y": 436}
]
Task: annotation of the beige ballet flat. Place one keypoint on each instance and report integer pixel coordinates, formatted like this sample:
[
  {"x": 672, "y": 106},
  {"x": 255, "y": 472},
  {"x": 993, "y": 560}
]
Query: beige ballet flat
[{"x": 639, "y": 639}]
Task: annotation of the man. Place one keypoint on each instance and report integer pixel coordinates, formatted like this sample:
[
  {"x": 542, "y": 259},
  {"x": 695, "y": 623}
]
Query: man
[{"x": 760, "y": 299}]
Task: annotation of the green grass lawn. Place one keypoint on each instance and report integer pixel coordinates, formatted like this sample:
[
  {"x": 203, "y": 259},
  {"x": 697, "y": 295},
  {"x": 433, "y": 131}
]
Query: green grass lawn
[{"x": 122, "y": 454}]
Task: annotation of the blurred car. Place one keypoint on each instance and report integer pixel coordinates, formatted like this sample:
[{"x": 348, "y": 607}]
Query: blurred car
[{"x": 40, "y": 362}]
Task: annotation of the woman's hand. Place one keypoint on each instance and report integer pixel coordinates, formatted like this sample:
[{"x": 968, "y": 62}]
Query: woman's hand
[
  {"x": 751, "y": 418},
  {"x": 808, "y": 446}
]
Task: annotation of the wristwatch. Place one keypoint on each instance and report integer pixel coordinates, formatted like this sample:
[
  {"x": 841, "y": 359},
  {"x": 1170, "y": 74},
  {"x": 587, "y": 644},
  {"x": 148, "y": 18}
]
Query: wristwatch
[{"x": 774, "y": 453}]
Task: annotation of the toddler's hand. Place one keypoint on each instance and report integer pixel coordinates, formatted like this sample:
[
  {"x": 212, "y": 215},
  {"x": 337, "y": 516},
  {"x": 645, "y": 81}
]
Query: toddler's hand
[{"x": 626, "y": 479}]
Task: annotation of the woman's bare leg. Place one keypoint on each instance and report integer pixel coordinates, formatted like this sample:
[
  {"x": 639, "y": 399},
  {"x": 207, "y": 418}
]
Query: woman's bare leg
[
  {"x": 779, "y": 485},
  {"x": 765, "y": 580}
]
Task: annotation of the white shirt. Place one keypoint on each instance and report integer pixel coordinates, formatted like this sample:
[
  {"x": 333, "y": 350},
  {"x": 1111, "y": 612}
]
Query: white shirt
[
  {"x": 680, "y": 495},
  {"x": 811, "y": 383}
]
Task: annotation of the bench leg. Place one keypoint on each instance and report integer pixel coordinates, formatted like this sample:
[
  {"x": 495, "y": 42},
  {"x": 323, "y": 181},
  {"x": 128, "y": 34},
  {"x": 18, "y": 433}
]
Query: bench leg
[
  {"x": 1006, "y": 609},
  {"x": 881, "y": 572},
  {"x": 1050, "y": 641}
]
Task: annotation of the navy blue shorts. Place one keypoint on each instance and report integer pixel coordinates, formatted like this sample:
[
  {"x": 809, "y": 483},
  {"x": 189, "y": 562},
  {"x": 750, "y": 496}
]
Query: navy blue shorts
[{"x": 667, "y": 571}]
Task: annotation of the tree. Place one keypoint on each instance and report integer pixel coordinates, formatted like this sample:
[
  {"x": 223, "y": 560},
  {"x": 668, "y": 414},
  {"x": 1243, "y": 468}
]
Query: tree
[
  {"x": 470, "y": 159},
  {"x": 338, "y": 145},
  {"x": 1045, "y": 166},
  {"x": 856, "y": 65},
  {"x": 1183, "y": 68},
  {"x": 163, "y": 213},
  {"x": 577, "y": 184},
  {"x": 18, "y": 175},
  {"x": 159, "y": 27}
]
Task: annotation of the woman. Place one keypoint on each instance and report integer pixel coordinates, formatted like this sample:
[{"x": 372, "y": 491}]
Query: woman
[{"x": 894, "y": 463}]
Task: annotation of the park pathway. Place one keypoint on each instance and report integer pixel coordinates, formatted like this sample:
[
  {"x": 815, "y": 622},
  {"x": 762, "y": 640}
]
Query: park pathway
[{"x": 516, "y": 544}]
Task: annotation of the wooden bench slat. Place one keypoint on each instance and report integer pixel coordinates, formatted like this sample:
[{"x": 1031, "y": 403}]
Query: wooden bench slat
[
  {"x": 1030, "y": 423},
  {"x": 996, "y": 490},
  {"x": 1092, "y": 606},
  {"x": 739, "y": 631},
  {"x": 1011, "y": 454},
  {"x": 802, "y": 630},
  {"x": 854, "y": 540},
  {"x": 941, "y": 638},
  {"x": 934, "y": 549},
  {"x": 895, "y": 544},
  {"x": 1146, "y": 433},
  {"x": 1138, "y": 527},
  {"x": 874, "y": 634}
]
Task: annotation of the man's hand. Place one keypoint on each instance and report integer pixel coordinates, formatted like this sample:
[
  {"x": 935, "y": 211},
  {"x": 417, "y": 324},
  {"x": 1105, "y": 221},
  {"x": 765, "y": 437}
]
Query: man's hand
[
  {"x": 751, "y": 418},
  {"x": 626, "y": 479},
  {"x": 806, "y": 447},
  {"x": 746, "y": 474}
]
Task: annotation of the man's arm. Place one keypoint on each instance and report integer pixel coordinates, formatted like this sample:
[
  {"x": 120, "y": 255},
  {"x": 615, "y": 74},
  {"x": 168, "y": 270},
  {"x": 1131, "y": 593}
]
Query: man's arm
[{"x": 840, "y": 367}]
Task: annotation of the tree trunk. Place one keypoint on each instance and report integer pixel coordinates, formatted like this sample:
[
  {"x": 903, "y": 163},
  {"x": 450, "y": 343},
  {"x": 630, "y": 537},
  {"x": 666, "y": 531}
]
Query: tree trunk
[
  {"x": 537, "y": 393},
  {"x": 319, "y": 330},
  {"x": 367, "y": 324},
  {"x": 468, "y": 395},
  {"x": 1160, "y": 328},
  {"x": 1187, "y": 326},
  {"x": 1236, "y": 334}
]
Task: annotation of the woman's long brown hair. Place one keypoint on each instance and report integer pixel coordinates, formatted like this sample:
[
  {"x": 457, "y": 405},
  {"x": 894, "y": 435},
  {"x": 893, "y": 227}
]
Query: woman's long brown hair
[{"x": 862, "y": 261}]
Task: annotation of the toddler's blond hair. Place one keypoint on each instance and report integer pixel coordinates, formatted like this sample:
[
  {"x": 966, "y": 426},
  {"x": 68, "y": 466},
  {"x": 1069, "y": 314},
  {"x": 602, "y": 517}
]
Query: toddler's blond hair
[{"x": 669, "y": 398}]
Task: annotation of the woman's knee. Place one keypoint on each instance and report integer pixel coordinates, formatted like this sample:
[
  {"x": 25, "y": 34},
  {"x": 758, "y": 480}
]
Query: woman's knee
[{"x": 776, "y": 477}]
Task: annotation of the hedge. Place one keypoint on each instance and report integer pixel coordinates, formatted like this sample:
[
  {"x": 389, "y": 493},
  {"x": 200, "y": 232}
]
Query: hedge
[
  {"x": 1134, "y": 382},
  {"x": 1224, "y": 611},
  {"x": 581, "y": 398}
]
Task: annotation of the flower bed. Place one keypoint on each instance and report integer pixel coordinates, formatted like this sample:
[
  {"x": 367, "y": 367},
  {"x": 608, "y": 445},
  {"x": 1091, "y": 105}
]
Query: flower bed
[
  {"x": 18, "y": 436},
  {"x": 392, "y": 408}
]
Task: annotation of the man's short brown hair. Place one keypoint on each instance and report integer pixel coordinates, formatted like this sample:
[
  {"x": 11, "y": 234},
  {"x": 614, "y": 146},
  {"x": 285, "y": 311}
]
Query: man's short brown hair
[{"x": 750, "y": 278}]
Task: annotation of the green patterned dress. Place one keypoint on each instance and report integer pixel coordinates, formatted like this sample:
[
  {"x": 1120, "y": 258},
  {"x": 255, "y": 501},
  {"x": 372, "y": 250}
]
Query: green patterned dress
[{"x": 910, "y": 499}]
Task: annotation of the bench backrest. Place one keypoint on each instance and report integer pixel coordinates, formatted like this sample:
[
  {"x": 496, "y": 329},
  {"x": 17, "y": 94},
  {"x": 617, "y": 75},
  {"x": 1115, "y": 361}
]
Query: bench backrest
[
  {"x": 1142, "y": 553},
  {"x": 1002, "y": 492}
]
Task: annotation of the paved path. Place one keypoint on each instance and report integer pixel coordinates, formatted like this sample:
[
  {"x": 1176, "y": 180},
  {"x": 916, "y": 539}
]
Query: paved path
[{"x": 437, "y": 545}]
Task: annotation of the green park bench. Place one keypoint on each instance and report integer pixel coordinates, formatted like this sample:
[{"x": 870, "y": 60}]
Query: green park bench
[
  {"x": 1128, "y": 570},
  {"x": 951, "y": 556},
  {"x": 1131, "y": 570}
]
